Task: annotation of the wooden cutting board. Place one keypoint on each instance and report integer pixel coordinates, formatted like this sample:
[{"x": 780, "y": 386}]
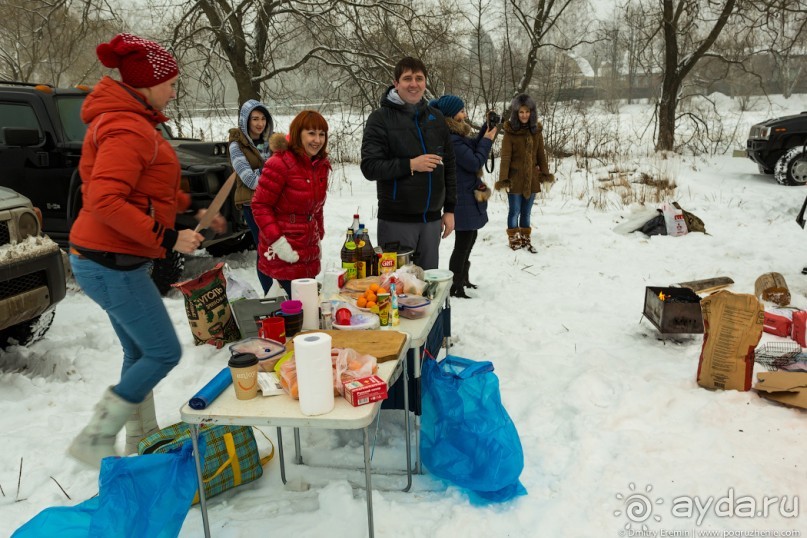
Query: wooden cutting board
[{"x": 383, "y": 345}]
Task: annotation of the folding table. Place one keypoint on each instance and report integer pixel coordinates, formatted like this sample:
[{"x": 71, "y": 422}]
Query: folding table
[{"x": 282, "y": 410}]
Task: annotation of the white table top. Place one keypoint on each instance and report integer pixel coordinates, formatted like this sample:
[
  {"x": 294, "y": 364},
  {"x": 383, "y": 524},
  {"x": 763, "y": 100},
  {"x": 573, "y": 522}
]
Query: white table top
[{"x": 283, "y": 410}]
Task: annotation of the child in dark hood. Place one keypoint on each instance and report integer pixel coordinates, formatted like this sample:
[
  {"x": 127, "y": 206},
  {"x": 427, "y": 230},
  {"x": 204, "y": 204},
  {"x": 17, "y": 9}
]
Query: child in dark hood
[
  {"x": 523, "y": 168},
  {"x": 249, "y": 149},
  {"x": 471, "y": 211}
]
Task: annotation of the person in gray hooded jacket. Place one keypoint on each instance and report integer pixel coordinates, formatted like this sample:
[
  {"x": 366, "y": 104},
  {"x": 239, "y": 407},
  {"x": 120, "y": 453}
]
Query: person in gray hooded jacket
[{"x": 249, "y": 150}]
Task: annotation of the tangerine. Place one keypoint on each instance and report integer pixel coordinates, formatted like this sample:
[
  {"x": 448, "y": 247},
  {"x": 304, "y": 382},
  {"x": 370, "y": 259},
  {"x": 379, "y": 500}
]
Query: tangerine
[
  {"x": 370, "y": 304},
  {"x": 374, "y": 287},
  {"x": 361, "y": 302},
  {"x": 371, "y": 296}
]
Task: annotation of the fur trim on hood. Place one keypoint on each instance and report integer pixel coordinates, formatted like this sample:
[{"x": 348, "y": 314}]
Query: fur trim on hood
[
  {"x": 518, "y": 102},
  {"x": 278, "y": 142},
  {"x": 458, "y": 127}
]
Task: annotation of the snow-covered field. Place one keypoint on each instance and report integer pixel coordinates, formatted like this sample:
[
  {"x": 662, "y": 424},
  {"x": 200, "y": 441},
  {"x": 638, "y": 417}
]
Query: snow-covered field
[{"x": 605, "y": 407}]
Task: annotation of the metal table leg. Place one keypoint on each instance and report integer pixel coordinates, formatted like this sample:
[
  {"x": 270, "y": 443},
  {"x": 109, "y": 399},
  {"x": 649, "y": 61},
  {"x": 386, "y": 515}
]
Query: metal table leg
[
  {"x": 200, "y": 478},
  {"x": 417, "y": 357},
  {"x": 368, "y": 482},
  {"x": 298, "y": 455},
  {"x": 280, "y": 455},
  {"x": 408, "y": 427}
]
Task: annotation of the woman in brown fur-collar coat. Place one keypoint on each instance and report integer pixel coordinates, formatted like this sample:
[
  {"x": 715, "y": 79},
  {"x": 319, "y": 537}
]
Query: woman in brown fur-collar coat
[{"x": 523, "y": 168}]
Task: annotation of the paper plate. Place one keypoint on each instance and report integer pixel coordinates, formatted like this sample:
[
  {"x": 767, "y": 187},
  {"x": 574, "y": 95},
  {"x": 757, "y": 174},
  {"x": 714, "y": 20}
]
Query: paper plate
[
  {"x": 371, "y": 322},
  {"x": 437, "y": 275}
]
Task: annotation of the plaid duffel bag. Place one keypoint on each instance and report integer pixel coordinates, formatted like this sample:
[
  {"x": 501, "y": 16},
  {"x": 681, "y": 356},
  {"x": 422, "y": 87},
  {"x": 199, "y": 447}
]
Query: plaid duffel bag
[{"x": 231, "y": 457}]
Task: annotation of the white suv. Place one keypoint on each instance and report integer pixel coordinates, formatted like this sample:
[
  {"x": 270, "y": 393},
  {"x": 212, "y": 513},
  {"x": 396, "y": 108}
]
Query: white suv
[{"x": 33, "y": 272}]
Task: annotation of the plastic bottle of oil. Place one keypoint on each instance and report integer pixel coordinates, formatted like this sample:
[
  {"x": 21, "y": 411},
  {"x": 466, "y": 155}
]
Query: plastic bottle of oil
[{"x": 350, "y": 255}]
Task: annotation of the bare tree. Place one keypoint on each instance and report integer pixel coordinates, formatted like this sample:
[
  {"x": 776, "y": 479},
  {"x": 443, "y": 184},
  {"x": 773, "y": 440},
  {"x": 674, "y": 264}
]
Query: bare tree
[
  {"x": 53, "y": 40},
  {"x": 536, "y": 19},
  {"x": 689, "y": 28},
  {"x": 779, "y": 33}
]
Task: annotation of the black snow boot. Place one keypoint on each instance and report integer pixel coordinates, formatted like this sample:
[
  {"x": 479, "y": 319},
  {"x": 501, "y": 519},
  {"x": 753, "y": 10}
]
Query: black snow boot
[
  {"x": 458, "y": 291},
  {"x": 467, "y": 283}
]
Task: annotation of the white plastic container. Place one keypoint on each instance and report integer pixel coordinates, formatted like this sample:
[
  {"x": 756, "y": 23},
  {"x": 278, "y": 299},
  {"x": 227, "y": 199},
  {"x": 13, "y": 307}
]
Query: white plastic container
[{"x": 312, "y": 355}]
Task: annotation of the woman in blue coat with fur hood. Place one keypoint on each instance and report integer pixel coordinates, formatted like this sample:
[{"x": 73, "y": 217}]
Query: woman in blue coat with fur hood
[{"x": 471, "y": 212}]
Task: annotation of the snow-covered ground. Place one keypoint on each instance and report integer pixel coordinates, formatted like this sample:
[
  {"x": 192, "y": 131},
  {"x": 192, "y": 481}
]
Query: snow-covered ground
[{"x": 605, "y": 407}]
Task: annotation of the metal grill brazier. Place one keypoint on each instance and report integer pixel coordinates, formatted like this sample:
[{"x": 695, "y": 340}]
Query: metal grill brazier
[{"x": 673, "y": 310}]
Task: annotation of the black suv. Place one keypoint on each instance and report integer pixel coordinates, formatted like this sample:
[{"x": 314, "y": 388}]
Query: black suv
[
  {"x": 41, "y": 134},
  {"x": 777, "y": 146}
]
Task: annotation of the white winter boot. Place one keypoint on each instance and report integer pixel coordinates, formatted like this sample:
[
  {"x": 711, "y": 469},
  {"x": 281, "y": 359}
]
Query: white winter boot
[
  {"x": 97, "y": 439},
  {"x": 141, "y": 424}
]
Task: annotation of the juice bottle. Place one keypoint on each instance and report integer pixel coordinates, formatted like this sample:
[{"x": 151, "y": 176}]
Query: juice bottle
[
  {"x": 384, "y": 308},
  {"x": 349, "y": 255}
]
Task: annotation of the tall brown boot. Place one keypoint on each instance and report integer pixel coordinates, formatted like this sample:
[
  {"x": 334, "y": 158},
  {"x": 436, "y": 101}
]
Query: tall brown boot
[
  {"x": 525, "y": 240},
  {"x": 514, "y": 237}
]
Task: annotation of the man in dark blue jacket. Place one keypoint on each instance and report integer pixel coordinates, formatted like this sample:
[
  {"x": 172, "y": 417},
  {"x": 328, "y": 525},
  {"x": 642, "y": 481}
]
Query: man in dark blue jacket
[{"x": 407, "y": 151}]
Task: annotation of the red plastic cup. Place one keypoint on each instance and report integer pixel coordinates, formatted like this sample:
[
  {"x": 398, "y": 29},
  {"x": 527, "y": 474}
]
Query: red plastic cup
[
  {"x": 342, "y": 316},
  {"x": 273, "y": 329}
]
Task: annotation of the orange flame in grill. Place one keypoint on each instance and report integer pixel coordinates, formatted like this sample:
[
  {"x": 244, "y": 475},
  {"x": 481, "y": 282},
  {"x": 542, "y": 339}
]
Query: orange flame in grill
[{"x": 662, "y": 297}]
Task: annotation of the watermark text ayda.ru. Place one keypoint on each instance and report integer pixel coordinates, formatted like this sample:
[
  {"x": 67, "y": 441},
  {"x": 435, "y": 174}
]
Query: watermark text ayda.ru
[
  {"x": 643, "y": 507},
  {"x": 731, "y": 506}
]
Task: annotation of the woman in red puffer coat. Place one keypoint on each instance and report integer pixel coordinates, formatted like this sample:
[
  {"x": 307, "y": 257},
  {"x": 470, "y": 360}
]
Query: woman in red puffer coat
[{"x": 288, "y": 202}]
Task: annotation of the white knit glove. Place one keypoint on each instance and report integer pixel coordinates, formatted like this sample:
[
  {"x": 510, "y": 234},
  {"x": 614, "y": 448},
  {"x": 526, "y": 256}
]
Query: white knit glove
[{"x": 282, "y": 249}]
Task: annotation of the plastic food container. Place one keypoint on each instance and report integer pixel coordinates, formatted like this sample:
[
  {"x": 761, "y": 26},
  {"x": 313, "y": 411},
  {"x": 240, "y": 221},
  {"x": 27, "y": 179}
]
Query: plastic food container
[
  {"x": 413, "y": 306},
  {"x": 267, "y": 351}
]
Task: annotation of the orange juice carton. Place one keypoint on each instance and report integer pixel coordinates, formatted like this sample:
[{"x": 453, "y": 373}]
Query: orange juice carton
[{"x": 365, "y": 390}]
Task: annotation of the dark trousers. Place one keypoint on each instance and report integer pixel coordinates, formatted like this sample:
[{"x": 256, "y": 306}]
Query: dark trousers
[
  {"x": 265, "y": 280},
  {"x": 458, "y": 264}
]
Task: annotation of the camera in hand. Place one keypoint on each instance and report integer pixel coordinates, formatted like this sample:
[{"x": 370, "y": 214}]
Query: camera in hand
[{"x": 493, "y": 119}]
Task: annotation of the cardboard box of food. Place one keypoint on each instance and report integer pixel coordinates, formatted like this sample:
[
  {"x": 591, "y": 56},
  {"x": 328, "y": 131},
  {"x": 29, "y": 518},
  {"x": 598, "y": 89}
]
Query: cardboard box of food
[
  {"x": 365, "y": 390},
  {"x": 732, "y": 327},
  {"x": 789, "y": 388}
]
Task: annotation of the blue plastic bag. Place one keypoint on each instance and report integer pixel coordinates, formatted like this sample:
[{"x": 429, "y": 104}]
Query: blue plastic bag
[
  {"x": 140, "y": 496},
  {"x": 467, "y": 437}
]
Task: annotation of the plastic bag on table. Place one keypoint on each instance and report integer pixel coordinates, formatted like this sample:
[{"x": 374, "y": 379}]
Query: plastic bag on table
[
  {"x": 406, "y": 283},
  {"x": 349, "y": 364},
  {"x": 288, "y": 378},
  {"x": 467, "y": 436}
]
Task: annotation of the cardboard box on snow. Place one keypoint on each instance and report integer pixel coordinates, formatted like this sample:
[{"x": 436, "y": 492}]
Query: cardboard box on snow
[
  {"x": 732, "y": 327},
  {"x": 789, "y": 388}
]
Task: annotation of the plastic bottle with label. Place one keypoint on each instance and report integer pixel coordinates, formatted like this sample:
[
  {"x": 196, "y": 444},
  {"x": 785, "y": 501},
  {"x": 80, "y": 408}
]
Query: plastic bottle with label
[
  {"x": 393, "y": 301},
  {"x": 350, "y": 255},
  {"x": 366, "y": 253},
  {"x": 355, "y": 226}
]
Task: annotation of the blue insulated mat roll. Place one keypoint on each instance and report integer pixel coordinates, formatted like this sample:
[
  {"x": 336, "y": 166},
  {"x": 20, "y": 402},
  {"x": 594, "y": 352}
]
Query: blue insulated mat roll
[{"x": 211, "y": 391}]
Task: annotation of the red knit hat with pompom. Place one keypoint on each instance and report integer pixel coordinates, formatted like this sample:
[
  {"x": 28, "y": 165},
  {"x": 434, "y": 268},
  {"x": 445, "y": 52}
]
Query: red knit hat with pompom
[{"x": 142, "y": 63}]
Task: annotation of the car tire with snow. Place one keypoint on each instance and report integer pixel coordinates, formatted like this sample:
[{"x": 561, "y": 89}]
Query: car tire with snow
[
  {"x": 167, "y": 271},
  {"x": 791, "y": 168},
  {"x": 27, "y": 332}
]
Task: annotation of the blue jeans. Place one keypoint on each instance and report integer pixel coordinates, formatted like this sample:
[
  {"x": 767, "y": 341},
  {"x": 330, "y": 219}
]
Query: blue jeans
[
  {"x": 265, "y": 280},
  {"x": 139, "y": 317},
  {"x": 518, "y": 216}
]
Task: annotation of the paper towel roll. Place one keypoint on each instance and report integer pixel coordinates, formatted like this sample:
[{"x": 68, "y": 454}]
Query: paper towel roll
[
  {"x": 312, "y": 353},
  {"x": 305, "y": 291}
]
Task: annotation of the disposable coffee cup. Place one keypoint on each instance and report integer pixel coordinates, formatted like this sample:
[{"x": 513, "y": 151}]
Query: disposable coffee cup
[{"x": 244, "y": 369}]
